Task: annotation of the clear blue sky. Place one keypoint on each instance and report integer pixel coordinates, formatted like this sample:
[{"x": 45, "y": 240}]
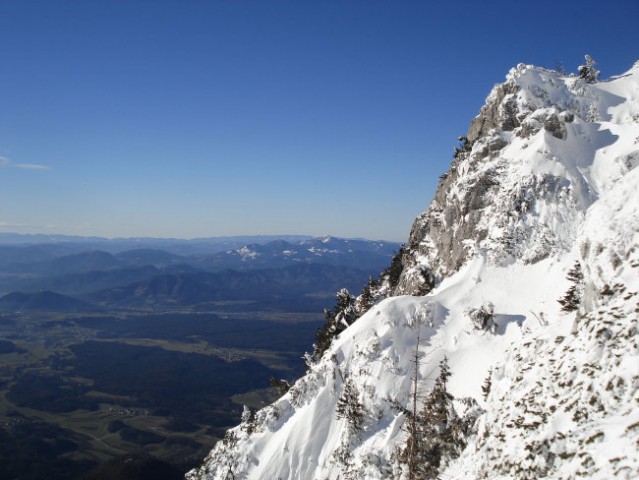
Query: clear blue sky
[{"x": 204, "y": 118}]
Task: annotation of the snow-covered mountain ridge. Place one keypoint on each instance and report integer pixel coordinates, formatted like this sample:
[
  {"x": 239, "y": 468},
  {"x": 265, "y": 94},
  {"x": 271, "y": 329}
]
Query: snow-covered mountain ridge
[{"x": 543, "y": 186}]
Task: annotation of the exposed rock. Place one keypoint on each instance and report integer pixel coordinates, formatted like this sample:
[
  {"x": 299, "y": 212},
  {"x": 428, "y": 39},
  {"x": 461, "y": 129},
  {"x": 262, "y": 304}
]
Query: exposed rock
[
  {"x": 470, "y": 193},
  {"x": 498, "y": 112}
]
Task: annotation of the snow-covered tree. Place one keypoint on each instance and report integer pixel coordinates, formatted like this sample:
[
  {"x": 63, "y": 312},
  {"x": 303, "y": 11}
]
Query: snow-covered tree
[
  {"x": 464, "y": 147},
  {"x": 482, "y": 317},
  {"x": 350, "y": 408},
  {"x": 488, "y": 383},
  {"x": 435, "y": 433},
  {"x": 436, "y": 424},
  {"x": 394, "y": 272},
  {"x": 588, "y": 71},
  {"x": 279, "y": 385},
  {"x": 410, "y": 455},
  {"x": 572, "y": 298},
  {"x": 368, "y": 297},
  {"x": 342, "y": 316},
  {"x": 248, "y": 420}
]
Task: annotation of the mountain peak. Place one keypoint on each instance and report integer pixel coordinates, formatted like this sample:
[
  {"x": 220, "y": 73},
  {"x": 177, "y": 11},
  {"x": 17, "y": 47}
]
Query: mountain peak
[{"x": 506, "y": 346}]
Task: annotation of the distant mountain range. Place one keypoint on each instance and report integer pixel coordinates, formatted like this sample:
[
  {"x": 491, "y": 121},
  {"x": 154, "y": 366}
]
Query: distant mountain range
[
  {"x": 147, "y": 276},
  {"x": 255, "y": 285},
  {"x": 174, "y": 245},
  {"x": 43, "y": 300},
  {"x": 325, "y": 250}
]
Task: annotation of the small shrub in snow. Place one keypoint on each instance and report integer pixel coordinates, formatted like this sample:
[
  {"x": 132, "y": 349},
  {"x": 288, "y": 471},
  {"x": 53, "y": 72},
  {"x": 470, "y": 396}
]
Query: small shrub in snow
[
  {"x": 464, "y": 148},
  {"x": 279, "y": 386},
  {"x": 593, "y": 113},
  {"x": 482, "y": 318},
  {"x": 427, "y": 282}
]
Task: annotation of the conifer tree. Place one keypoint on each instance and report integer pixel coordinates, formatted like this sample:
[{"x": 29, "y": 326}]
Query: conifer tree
[
  {"x": 394, "y": 272},
  {"x": 465, "y": 146},
  {"x": 435, "y": 424},
  {"x": 280, "y": 386},
  {"x": 572, "y": 298},
  {"x": 345, "y": 310},
  {"x": 248, "y": 420},
  {"x": 588, "y": 71},
  {"x": 410, "y": 455},
  {"x": 488, "y": 383},
  {"x": 342, "y": 316},
  {"x": 367, "y": 298},
  {"x": 435, "y": 432},
  {"x": 350, "y": 408}
]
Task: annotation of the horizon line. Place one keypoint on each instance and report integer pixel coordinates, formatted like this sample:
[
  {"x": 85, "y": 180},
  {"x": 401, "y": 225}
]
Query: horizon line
[{"x": 192, "y": 239}]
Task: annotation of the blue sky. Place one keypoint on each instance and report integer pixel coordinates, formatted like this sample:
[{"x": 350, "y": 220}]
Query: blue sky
[{"x": 204, "y": 118}]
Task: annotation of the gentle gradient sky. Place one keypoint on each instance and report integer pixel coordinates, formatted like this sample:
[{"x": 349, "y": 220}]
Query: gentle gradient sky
[{"x": 204, "y": 118}]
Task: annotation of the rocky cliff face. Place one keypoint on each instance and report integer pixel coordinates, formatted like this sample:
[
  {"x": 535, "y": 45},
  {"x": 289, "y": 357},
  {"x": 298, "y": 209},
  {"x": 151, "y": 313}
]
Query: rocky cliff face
[
  {"x": 543, "y": 370},
  {"x": 508, "y": 190}
]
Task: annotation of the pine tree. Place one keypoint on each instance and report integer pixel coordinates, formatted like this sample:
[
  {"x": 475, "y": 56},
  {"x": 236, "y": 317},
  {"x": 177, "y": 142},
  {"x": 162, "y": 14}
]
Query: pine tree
[
  {"x": 573, "y": 296},
  {"x": 488, "y": 383},
  {"x": 350, "y": 408},
  {"x": 280, "y": 386},
  {"x": 342, "y": 316},
  {"x": 440, "y": 431},
  {"x": 367, "y": 298},
  {"x": 229, "y": 443},
  {"x": 248, "y": 420},
  {"x": 428, "y": 281},
  {"x": 394, "y": 272},
  {"x": 588, "y": 71},
  {"x": 464, "y": 147},
  {"x": 345, "y": 310},
  {"x": 410, "y": 455},
  {"x": 435, "y": 424}
]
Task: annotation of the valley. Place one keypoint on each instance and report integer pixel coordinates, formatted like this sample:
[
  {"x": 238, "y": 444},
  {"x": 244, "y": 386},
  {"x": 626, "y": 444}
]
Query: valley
[
  {"x": 168, "y": 383},
  {"x": 154, "y": 353}
]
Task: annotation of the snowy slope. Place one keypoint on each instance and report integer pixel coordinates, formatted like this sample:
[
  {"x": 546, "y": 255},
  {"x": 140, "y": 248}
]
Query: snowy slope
[{"x": 546, "y": 180}]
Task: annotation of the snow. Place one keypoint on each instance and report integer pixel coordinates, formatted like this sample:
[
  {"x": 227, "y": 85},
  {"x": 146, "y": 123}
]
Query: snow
[
  {"x": 565, "y": 385},
  {"x": 247, "y": 254},
  {"x": 320, "y": 251}
]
